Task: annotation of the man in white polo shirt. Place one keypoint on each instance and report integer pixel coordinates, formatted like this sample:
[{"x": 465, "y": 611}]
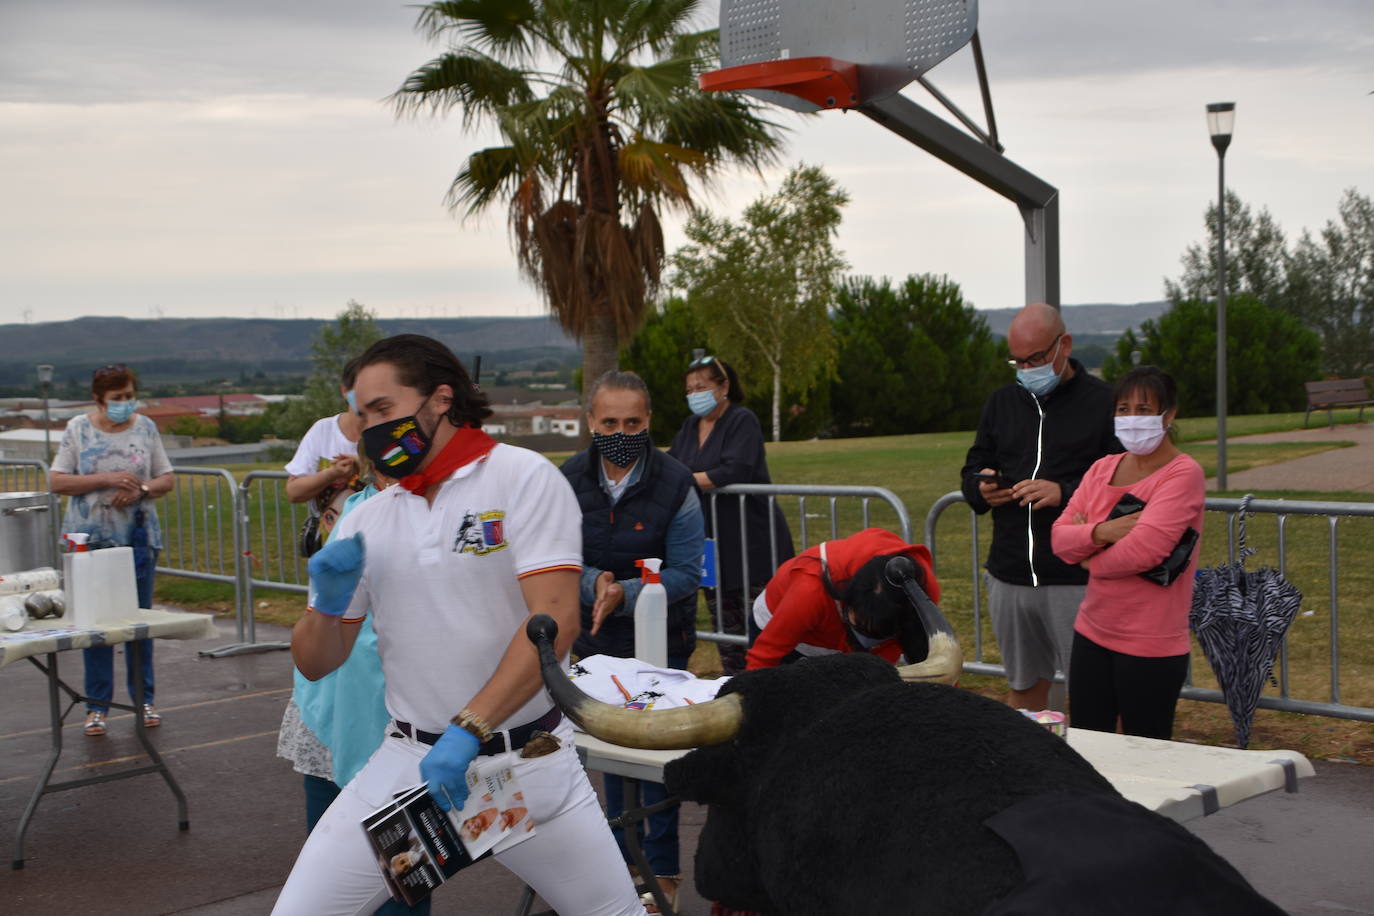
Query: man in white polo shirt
[{"x": 476, "y": 539}]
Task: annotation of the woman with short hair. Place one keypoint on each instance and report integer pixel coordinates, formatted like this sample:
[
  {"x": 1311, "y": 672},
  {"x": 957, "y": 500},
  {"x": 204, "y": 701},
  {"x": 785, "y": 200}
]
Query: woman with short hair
[{"x": 111, "y": 465}]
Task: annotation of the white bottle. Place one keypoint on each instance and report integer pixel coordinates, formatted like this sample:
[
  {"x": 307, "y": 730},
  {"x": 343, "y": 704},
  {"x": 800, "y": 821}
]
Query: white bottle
[{"x": 651, "y": 616}]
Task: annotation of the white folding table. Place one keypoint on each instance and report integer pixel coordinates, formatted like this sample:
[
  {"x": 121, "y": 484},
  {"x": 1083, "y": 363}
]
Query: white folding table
[
  {"x": 1181, "y": 781},
  {"x": 49, "y": 638}
]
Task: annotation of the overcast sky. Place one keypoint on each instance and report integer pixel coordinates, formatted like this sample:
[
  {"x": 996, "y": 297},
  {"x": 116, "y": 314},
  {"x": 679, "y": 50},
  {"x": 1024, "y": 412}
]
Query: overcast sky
[{"x": 196, "y": 158}]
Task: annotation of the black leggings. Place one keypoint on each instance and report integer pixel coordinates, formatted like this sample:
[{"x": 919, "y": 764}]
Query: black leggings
[{"x": 1106, "y": 684}]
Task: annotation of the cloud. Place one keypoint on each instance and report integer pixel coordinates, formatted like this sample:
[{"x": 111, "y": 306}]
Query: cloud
[{"x": 220, "y": 158}]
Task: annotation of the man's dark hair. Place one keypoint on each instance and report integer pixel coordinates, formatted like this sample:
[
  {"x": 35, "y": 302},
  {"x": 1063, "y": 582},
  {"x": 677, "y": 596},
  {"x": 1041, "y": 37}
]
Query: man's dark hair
[
  {"x": 424, "y": 364},
  {"x": 349, "y": 376},
  {"x": 883, "y": 611},
  {"x": 622, "y": 381}
]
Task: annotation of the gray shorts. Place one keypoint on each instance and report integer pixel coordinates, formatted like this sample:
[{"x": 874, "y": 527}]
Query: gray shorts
[{"x": 1034, "y": 628}]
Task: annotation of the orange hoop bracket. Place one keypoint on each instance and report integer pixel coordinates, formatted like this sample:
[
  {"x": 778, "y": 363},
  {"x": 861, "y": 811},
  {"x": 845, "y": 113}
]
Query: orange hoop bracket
[{"x": 823, "y": 81}]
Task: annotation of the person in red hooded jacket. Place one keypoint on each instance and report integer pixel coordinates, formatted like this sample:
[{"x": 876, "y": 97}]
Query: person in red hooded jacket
[{"x": 834, "y": 598}]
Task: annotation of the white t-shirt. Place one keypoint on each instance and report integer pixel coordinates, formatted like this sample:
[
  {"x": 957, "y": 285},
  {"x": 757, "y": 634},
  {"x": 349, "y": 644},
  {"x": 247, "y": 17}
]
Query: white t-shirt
[
  {"x": 324, "y": 442},
  {"x": 442, "y": 582}
]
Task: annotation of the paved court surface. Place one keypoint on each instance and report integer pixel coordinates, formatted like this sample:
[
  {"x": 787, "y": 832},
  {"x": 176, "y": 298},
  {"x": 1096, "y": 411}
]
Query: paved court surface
[
  {"x": 1349, "y": 469},
  {"x": 115, "y": 849}
]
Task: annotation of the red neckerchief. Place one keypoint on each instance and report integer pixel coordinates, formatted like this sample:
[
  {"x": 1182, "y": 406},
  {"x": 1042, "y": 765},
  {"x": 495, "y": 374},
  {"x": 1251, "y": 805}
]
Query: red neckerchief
[{"x": 468, "y": 444}]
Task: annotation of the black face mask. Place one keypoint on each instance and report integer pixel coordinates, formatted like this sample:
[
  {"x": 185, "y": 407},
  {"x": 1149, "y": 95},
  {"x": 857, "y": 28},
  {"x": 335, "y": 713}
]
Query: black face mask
[
  {"x": 621, "y": 449},
  {"x": 397, "y": 448}
]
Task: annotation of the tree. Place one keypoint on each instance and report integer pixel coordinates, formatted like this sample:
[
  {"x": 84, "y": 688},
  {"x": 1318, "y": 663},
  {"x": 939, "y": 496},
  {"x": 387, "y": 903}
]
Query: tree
[
  {"x": 194, "y": 426},
  {"x": 602, "y": 124},
  {"x": 1332, "y": 283},
  {"x": 912, "y": 359},
  {"x": 1255, "y": 257},
  {"x": 763, "y": 287},
  {"x": 659, "y": 353},
  {"x": 354, "y": 330},
  {"x": 1270, "y": 354}
]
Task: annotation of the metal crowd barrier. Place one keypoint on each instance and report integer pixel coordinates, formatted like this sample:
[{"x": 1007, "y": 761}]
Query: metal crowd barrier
[
  {"x": 20, "y": 475},
  {"x": 800, "y": 526},
  {"x": 1282, "y": 510},
  {"x": 268, "y": 557}
]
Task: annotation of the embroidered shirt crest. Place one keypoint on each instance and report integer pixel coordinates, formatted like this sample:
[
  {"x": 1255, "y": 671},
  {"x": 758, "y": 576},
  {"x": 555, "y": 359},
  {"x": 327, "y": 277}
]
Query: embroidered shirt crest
[{"x": 481, "y": 533}]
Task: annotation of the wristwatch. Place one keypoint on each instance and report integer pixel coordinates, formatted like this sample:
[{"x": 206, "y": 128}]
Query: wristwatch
[{"x": 144, "y": 488}]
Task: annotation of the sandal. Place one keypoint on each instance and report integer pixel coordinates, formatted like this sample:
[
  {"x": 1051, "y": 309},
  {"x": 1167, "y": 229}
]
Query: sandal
[
  {"x": 151, "y": 717},
  {"x": 95, "y": 723},
  {"x": 670, "y": 885}
]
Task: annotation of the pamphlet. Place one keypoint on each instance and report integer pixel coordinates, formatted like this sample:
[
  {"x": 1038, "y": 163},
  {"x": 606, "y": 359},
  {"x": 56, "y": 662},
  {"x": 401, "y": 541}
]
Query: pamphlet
[{"x": 419, "y": 846}]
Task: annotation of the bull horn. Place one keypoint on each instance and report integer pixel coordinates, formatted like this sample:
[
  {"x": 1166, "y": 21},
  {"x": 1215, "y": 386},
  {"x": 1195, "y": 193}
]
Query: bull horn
[
  {"x": 713, "y": 722},
  {"x": 944, "y": 659}
]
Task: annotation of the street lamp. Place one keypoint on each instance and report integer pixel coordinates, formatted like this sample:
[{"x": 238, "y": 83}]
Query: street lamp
[
  {"x": 45, "y": 383},
  {"x": 1221, "y": 118}
]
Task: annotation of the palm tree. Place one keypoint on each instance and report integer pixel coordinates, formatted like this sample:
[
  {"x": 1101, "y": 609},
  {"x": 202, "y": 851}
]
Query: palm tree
[{"x": 603, "y": 125}]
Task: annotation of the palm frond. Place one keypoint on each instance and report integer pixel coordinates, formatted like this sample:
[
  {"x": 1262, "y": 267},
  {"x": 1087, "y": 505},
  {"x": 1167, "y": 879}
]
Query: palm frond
[
  {"x": 652, "y": 25},
  {"x": 656, "y": 84},
  {"x": 491, "y": 173},
  {"x": 481, "y": 85},
  {"x": 703, "y": 47},
  {"x": 652, "y": 171},
  {"x": 503, "y": 27}
]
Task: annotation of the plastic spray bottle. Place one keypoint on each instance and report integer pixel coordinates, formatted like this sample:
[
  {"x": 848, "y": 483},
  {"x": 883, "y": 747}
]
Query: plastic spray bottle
[{"x": 651, "y": 615}]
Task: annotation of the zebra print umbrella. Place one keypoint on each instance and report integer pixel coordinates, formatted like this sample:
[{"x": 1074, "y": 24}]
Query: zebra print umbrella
[{"x": 1240, "y": 617}]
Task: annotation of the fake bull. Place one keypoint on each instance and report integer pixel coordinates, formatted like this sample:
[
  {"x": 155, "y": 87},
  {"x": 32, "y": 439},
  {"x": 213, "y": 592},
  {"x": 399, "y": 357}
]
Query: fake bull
[{"x": 843, "y": 785}]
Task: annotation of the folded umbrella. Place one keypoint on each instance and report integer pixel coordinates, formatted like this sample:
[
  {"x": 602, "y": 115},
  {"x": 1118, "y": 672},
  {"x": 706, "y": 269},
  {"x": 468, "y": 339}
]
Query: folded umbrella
[{"x": 1240, "y": 617}]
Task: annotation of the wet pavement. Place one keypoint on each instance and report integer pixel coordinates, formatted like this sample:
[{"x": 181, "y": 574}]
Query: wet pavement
[{"x": 115, "y": 848}]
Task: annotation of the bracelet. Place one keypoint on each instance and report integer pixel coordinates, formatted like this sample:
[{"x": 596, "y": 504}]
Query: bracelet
[{"x": 470, "y": 721}]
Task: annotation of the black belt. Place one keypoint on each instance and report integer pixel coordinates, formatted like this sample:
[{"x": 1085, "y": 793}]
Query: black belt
[{"x": 495, "y": 744}]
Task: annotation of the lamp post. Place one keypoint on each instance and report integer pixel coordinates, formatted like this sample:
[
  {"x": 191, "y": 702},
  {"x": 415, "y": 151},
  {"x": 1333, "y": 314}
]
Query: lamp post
[
  {"x": 1221, "y": 117},
  {"x": 45, "y": 383}
]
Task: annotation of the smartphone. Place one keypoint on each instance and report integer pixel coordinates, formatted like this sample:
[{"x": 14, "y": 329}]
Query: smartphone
[{"x": 998, "y": 479}]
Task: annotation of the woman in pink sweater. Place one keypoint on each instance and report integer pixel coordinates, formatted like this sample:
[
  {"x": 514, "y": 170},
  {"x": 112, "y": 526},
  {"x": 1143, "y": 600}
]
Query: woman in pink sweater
[{"x": 1130, "y": 645}]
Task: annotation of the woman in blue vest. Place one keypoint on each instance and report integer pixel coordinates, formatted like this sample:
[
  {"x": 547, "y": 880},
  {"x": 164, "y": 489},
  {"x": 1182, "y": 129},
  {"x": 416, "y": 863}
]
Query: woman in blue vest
[{"x": 636, "y": 502}]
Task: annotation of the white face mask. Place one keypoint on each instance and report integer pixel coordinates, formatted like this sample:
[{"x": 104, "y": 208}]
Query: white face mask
[{"x": 1140, "y": 435}]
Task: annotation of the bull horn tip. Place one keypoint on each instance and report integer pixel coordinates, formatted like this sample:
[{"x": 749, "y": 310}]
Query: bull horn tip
[{"x": 542, "y": 627}]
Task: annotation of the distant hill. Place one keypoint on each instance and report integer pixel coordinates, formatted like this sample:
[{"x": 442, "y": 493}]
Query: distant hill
[
  {"x": 225, "y": 347},
  {"x": 190, "y": 349},
  {"x": 1095, "y": 319}
]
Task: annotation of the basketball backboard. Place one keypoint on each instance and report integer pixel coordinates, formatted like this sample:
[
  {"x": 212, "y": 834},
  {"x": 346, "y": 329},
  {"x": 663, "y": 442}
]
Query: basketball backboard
[{"x": 891, "y": 42}]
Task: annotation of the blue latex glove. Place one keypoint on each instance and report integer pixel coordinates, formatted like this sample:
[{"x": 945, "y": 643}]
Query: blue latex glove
[
  {"x": 445, "y": 767},
  {"x": 334, "y": 574}
]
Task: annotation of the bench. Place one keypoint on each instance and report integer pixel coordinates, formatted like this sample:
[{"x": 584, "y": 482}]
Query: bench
[{"x": 1338, "y": 392}]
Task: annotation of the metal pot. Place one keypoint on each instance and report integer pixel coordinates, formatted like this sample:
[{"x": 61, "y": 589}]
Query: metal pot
[{"x": 27, "y": 536}]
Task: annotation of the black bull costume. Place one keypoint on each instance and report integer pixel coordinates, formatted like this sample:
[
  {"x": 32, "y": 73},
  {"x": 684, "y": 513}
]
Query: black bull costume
[{"x": 843, "y": 785}]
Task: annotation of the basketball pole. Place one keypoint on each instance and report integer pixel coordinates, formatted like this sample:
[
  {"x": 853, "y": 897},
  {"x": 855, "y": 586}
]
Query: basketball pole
[{"x": 1037, "y": 200}]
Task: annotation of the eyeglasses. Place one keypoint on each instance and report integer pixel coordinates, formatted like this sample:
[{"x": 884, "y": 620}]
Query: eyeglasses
[
  {"x": 700, "y": 362},
  {"x": 1036, "y": 359},
  {"x": 111, "y": 369}
]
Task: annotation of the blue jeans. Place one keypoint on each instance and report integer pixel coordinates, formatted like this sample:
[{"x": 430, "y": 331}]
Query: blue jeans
[
  {"x": 100, "y": 659},
  {"x": 660, "y": 838},
  {"x": 319, "y": 794}
]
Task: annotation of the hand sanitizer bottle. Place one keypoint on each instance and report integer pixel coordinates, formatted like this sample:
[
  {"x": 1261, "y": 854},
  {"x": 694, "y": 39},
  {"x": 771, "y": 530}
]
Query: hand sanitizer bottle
[{"x": 651, "y": 616}]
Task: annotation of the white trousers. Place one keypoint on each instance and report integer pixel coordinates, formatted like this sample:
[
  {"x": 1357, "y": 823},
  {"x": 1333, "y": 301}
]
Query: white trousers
[{"x": 572, "y": 860}]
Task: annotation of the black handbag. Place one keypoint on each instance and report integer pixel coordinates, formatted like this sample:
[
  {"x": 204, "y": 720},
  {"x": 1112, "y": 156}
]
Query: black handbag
[{"x": 1177, "y": 560}]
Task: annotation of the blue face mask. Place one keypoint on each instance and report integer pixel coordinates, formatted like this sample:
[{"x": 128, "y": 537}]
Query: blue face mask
[
  {"x": 701, "y": 403},
  {"x": 1039, "y": 381},
  {"x": 120, "y": 411}
]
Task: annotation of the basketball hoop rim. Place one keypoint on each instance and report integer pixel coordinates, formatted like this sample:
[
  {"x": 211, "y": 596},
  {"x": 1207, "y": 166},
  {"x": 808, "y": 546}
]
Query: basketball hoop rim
[{"x": 825, "y": 82}]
